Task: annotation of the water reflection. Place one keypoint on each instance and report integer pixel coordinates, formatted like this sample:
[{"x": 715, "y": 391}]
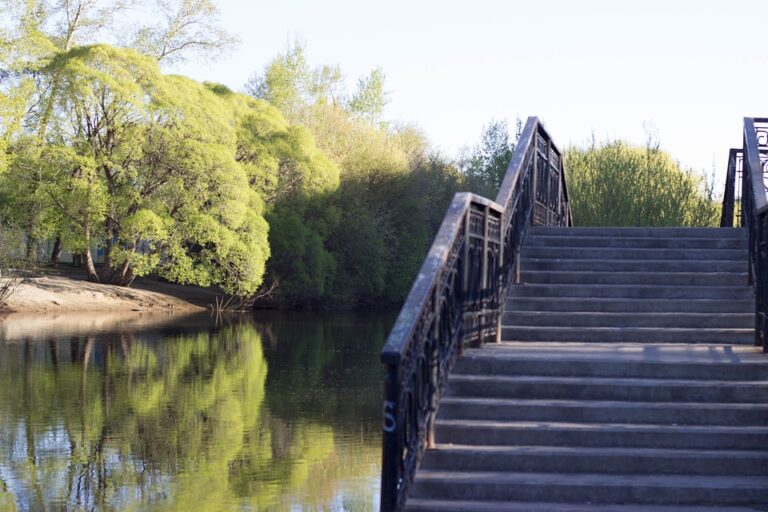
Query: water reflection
[{"x": 279, "y": 412}]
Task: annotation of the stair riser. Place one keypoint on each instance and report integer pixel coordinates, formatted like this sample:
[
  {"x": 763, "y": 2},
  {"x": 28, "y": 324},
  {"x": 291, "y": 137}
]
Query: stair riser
[
  {"x": 530, "y": 264},
  {"x": 462, "y": 460},
  {"x": 668, "y": 232},
  {"x": 632, "y": 292},
  {"x": 638, "y": 414},
  {"x": 554, "y": 368},
  {"x": 617, "y": 305},
  {"x": 593, "y": 253},
  {"x": 599, "y": 438},
  {"x": 732, "y": 321},
  {"x": 641, "y": 278},
  {"x": 589, "y": 493},
  {"x": 621, "y": 392},
  {"x": 596, "y": 335},
  {"x": 636, "y": 242}
]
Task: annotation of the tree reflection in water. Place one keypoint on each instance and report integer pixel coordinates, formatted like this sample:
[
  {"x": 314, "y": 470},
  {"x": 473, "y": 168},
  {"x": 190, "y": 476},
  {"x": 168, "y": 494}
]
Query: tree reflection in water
[{"x": 274, "y": 414}]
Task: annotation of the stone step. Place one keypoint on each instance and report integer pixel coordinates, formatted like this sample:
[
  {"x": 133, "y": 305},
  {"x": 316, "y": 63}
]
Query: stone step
[
  {"x": 593, "y": 488},
  {"x": 567, "y": 460},
  {"x": 628, "y": 319},
  {"x": 649, "y": 242},
  {"x": 608, "y": 388},
  {"x": 628, "y": 334},
  {"x": 593, "y": 253},
  {"x": 633, "y": 265},
  {"x": 603, "y": 411},
  {"x": 643, "y": 360},
  {"x": 544, "y": 433},
  {"x": 639, "y": 231},
  {"x": 635, "y": 291},
  {"x": 665, "y": 232},
  {"x": 618, "y": 304},
  {"x": 433, "y": 505},
  {"x": 635, "y": 277}
]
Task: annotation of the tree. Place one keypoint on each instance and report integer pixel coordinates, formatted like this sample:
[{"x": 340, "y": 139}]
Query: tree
[
  {"x": 487, "y": 163},
  {"x": 616, "y": 184},
  {"x": 37, "y": 30},
  {"x": 362, "y": 240},
  {"x": 147, "y": 165},
  {"x": 187, "y": 27},
  {"x": 370, "y": 98},
  {"x": 291, "y": 85}
]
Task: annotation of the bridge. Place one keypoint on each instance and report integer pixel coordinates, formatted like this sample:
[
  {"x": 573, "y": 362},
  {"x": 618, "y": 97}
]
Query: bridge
[{"x": 538, "y": 366}]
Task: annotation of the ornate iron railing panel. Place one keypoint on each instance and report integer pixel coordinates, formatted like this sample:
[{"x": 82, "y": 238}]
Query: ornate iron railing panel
[
  {"x": 458, "y": 297},
  {"x": 754, "y": 217}
]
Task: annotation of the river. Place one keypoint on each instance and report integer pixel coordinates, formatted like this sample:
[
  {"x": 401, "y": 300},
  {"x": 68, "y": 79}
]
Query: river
[{"x": 134, "y": 412}]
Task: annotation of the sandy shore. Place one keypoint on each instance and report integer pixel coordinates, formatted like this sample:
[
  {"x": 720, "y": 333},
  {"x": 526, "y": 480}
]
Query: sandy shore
[{"x": 57, "y": 293}]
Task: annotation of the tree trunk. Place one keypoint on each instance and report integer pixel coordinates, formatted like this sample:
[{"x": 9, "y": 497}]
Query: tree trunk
[
  {"x": 31, "y": 250},
  {"x": 56, "y": 253},
  {"x": 90, "y": 268}
]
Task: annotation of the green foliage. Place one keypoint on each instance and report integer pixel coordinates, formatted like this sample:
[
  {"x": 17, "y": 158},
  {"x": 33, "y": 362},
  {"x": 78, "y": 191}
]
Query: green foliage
[
  {"x": 487, "y": 162},
  {"x": 186, "y": 27},
  {"x": 370, "y": 98},
  {"x": 290, "y": 84},
  {"x": 360, "y": 239},
  {"x": 619, "y": 185},
  {"x": 200, "y": 184}
]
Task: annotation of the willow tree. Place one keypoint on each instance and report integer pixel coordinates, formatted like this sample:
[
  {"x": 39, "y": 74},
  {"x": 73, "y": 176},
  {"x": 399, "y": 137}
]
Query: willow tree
[
  {"x": 146, "y": 165},
  {"x": 619, "y": 185}
]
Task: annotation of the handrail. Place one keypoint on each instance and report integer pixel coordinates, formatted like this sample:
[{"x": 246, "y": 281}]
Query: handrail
[
  {"x": 754, "y": 214},
  {"x": 458, "y": 297},
  {"x": 731, "y": 206}
]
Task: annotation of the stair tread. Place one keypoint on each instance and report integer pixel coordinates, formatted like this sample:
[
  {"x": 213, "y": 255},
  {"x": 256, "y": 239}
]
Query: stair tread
[
  {"x": 664, "y": 353},
  {"x": 599, "y": 450},
  {"x": 615, "y": 314},
  {"x": 603, "y": 427},
  {"x": 508, "y": 506},
  {"x": 613, "y": 381},
  {"x": 597, "y": 479},
  {"x": 630, "y": 328},
  {"x": 633, "y": 285},
  {"x": 587, "y": 403}
]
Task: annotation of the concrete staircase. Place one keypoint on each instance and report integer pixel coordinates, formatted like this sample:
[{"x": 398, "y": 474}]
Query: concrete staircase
[{"x": 626, "y": 382}]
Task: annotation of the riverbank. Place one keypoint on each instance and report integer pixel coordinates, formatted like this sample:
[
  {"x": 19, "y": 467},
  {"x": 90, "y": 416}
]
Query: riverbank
[{"x": 60, "y": 293}]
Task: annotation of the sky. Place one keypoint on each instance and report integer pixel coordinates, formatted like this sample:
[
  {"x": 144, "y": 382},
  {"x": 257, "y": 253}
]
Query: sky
[{"x": 683, "y": 73}]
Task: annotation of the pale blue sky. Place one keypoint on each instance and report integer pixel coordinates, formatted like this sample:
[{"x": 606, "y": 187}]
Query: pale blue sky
[{"x": 688, "y": 71}]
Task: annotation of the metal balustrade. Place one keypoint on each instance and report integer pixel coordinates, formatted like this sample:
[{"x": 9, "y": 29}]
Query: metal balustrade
[{"x": 458, "y": 298}]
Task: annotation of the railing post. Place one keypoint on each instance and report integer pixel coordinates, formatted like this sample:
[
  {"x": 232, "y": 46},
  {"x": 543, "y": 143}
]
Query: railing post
[
  {"x": 535, "y": 177},
  {"x": 729, "y": 202},
  {"x": 392, "y": 449},
  {"x": 761, "y": 280}
]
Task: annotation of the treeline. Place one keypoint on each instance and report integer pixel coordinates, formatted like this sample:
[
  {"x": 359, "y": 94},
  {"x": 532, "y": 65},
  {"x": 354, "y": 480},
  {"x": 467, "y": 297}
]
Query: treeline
[
  {"x": 296, "y": 187},
  {"x": 295, "y": 190}
]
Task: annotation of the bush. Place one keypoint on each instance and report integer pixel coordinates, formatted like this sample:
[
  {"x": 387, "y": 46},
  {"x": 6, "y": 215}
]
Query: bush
[{"x": 620, "y": 185}]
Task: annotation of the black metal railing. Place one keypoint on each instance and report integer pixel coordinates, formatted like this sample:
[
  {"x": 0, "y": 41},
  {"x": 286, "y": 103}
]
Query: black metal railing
[
  {"x": 458, "y": 297},
  {"x": 754, "y": 214},
  {"x": 731, "y": 213}
]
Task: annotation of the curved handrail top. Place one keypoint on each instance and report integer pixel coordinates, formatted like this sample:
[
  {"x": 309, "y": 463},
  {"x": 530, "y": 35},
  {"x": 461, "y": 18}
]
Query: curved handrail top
[
  {"x": 429, "y": 272},
  {"x": 515, "y": 167},
  {"x": 760, "y": 201}
]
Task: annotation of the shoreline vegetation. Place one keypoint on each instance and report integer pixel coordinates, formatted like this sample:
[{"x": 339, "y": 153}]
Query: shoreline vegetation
[{"x": 296, "y": 193}]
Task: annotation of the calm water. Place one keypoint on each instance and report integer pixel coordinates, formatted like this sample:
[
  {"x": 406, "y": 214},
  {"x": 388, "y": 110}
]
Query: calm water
[{"x": 272, "y": 412}]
